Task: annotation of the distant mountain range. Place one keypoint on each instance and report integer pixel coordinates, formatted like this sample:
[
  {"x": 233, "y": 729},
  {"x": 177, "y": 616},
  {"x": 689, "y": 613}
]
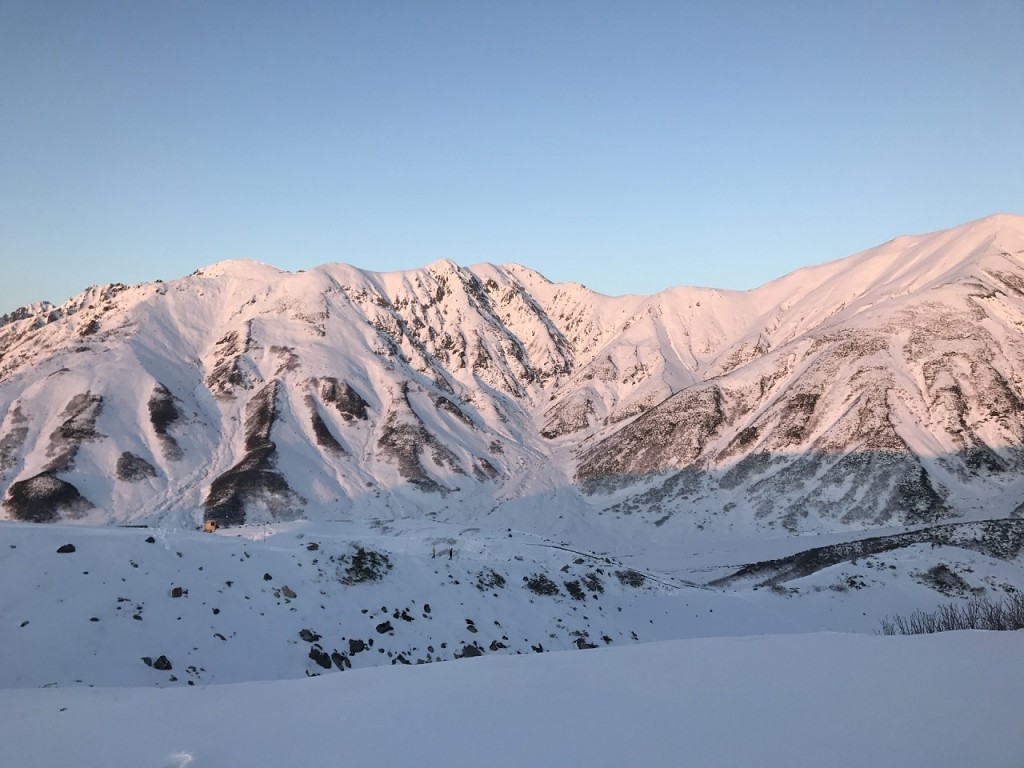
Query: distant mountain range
[{"x": 881, "y": 390}]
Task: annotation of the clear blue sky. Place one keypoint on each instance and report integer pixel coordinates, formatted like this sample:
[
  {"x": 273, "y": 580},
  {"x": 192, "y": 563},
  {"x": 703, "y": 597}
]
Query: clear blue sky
[{"x": 630, "y": 146}]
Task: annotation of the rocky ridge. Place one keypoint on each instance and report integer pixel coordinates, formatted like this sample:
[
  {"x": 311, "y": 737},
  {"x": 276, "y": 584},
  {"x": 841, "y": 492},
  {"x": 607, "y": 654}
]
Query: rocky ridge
[{"x": 883, "y": 389}]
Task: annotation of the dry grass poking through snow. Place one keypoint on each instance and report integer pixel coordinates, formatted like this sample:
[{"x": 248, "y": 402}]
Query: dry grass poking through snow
[{"x": 976, "y": 613}]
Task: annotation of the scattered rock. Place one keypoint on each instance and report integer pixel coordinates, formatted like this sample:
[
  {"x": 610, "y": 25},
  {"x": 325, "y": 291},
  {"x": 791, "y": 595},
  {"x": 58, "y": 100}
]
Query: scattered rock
[
  {"x": 65, "y": 549},
  {"x": 288, "y": 592},
  {"x": 162, "y": 663},
  {"x": 341, "y": 661},
  {"x": 150, "y": 540},
  {"x": 177, "y": 592},
  {"x": 309, "y": 635},
  {"x": 317, "y": 654},
  {"x": 469, "y": 652},
  {"x": 267, "y": 577},
  {"x": 384, "y": 628}
]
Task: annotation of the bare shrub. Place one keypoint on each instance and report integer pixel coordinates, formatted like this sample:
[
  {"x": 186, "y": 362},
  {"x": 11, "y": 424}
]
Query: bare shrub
[{"x": 976, "y": 613}]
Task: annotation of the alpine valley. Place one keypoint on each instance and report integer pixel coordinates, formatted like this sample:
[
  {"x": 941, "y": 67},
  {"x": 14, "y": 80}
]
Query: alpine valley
[{"x": 452, "y": 462}]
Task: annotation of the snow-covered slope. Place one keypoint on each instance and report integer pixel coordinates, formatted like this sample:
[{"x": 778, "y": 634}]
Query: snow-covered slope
[
  {"x": 881, "y": 389},
  {"x": 940, "y": 701},
  {"x": 149, "y": 646}
]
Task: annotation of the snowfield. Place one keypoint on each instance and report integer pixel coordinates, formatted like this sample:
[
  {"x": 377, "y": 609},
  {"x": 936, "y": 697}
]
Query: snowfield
[
  {"x": 953, "y": 699},
  {"x": 283, "y": 647}
]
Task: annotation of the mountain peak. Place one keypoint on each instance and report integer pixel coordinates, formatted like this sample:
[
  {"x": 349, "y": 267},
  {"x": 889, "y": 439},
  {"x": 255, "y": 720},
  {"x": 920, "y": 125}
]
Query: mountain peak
[{"x": 250, "y": 269}]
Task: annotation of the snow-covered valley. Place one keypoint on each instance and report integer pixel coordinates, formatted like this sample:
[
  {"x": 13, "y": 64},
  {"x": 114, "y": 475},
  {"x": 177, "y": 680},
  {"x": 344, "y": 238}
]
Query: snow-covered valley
[{"x": 266, "y": 644}]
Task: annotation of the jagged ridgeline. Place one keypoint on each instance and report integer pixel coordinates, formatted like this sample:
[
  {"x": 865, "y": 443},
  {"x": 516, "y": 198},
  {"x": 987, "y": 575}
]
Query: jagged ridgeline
[{"x": 882, "y": 389}]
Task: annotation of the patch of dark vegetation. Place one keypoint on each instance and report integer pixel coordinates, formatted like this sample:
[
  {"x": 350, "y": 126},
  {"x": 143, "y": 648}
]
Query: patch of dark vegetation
[
  {"x": 483, "y": 470},
  {"x": 916, "y": 494},
  {"x": 9, "y": 446},
  {"x": 659, "y": 501},
  {"x": 1006, "y": 614},
  {"x": 445, "y": 404},
  {"x": 323, "y": 435},
  {"x": 671, "y": 436},
  {"x": 1002, "y": 539},
  {"x": 631, "y": 578},
  {"x": 132, "y": 468},
  {"x": 592, "y": 582},
  {"x": 540, "y": 584},
  {"x": 364, "y": 565},
  {"x": 944, "y": 579},
  {"x": 164, "y": 413},
  {"x": 289, "y": 361},
  {"x": 260, "y": 413},
  {"x": 845, "y": 584},
  {"x": 254, "y": 480},
  {"x": 575, "y": 590},
  {"x": 569, "y": 416},
  {"x": 13, "y": 440},
  {"x": 405, "y": 438},
  {"x": 79, "y": 426},
  {"x": 42, "y": 499},
  {"x": 488, "y": 579},
  {"x": 349, "y": 403}
]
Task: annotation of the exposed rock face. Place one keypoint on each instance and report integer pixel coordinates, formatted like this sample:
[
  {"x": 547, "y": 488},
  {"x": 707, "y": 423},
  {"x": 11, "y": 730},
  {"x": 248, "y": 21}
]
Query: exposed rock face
[{"x": 886, "y": 388}]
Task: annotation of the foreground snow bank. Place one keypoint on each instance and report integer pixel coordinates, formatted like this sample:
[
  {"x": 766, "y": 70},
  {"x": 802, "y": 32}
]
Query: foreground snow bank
[{"x": 953, "y": 699}]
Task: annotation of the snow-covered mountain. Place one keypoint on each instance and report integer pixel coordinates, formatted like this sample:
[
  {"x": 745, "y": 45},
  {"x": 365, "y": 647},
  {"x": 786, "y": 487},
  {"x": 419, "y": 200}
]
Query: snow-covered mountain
[{"x": 883, "y": 389}]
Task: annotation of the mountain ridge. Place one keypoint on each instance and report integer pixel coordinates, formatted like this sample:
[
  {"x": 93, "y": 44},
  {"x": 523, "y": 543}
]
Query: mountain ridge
[{"x": 481, "y": 385}]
